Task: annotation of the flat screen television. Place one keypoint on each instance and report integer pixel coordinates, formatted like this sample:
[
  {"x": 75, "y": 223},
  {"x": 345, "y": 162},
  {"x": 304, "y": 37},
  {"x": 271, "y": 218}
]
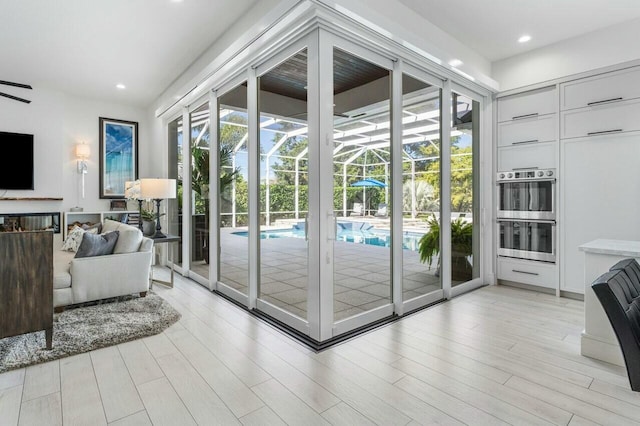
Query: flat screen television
[{"x": 17, "y": 170}]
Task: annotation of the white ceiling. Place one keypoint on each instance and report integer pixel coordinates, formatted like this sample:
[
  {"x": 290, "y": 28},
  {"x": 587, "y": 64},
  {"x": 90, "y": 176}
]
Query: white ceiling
[
  {"x": 492, "y": 27},
  {"x": 79, "y": 48}
]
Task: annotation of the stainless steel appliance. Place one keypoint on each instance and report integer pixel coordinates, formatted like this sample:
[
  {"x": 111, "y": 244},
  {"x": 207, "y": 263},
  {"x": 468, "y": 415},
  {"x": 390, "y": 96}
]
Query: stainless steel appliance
[
  {"x": 527, "y": 194},
  {"x": 527, "y": 214},
  {"x": 527, "y": 239}
]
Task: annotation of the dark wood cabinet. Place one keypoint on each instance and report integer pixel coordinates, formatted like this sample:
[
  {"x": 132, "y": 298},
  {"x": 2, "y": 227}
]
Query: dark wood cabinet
[{"x": 26, "y": 283}]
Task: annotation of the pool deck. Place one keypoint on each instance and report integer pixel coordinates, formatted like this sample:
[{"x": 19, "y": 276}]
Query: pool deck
[{"x": 362, "y": 273}]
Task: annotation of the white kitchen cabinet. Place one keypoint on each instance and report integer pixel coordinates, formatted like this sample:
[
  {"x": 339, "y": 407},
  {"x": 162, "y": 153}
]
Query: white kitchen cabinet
[
  {"x": 528, "y": 131},
  {"x": 599, "y": 197},
  {"x": 541, "y": 274},
  {"x": 540, "y": 155},
  {"x": 528, "y": 104},
  {"x": 601, "y": 89},
  {"x": 601, "y": 119}
]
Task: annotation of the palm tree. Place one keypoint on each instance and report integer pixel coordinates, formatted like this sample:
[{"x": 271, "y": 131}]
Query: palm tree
[{"x": 200, "y": 179}]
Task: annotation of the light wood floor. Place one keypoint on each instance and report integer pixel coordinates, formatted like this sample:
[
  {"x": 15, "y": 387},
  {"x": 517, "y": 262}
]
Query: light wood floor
[{"x": 498, "y": 355}]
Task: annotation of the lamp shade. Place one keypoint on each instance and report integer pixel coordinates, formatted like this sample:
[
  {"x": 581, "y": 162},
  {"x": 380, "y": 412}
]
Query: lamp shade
[
  {"x": 157, "y": 188},
  {"x": 83, "y": 151},
  {"x": 132, "y": 189}
]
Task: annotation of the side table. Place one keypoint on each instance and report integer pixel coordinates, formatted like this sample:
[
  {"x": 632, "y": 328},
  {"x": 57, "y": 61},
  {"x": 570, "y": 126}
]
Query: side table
[
  {"x": 26, "y": 283},
  {"x": 169, "y": 239}
]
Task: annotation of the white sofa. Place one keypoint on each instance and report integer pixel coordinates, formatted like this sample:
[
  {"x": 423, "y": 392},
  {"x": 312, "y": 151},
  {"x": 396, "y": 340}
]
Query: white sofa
[{"x": 85, "y": 279}]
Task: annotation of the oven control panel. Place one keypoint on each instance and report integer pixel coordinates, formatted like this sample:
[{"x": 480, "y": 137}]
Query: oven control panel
[{"x": 532, "y": 174}]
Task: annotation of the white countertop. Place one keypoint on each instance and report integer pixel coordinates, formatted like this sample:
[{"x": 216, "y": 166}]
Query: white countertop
[{"x": 612, "y": 247}]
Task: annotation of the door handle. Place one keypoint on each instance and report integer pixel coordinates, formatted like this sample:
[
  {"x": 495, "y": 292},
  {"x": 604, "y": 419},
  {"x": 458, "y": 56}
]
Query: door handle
[
  {"x": 525, "y": 272},
  {"x": 520, "y": 117},
  {"x": 604, "y": 101},
  {"x": 604, "y": 132}
]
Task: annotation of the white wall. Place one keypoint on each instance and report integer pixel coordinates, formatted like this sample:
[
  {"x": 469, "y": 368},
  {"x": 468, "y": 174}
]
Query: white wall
[
  {"x": 609, "y": 46},
  {"x": 58, "y": 122}
]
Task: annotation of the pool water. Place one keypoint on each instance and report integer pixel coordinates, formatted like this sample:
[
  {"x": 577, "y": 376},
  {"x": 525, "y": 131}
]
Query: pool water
[{"x": 348, "y": 233}]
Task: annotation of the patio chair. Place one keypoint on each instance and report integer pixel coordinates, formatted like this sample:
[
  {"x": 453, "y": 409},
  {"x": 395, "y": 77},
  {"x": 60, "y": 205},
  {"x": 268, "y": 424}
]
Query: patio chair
[
  {"x": 618, "y": 295},
  {"x": 358, "y": 210},
  {"x": 382, "y": 210}
]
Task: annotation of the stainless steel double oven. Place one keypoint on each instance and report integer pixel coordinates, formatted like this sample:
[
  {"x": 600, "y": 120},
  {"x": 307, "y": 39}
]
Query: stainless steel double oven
[{"x": 527, "y": 214}]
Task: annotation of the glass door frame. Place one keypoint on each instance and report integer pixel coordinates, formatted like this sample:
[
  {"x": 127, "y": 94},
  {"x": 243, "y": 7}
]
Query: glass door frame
[
  {"x": 319, "y": 42},
  {"x": 328, "y": 327},
  {"x": 484, "y": 177},
  {"x": 402, "y": 306},
  {"x": 304, "y": 326},
  {"x": 214, "y": 211}
]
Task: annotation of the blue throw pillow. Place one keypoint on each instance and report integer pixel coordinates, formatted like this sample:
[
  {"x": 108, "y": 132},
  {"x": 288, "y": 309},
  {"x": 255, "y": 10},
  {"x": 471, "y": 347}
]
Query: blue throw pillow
[{"x": 97, "y": 244}]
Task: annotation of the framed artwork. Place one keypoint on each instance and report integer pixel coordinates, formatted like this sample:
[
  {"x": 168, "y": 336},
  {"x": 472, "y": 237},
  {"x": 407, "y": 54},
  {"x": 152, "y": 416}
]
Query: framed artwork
[{"x": 118, "y": 156}]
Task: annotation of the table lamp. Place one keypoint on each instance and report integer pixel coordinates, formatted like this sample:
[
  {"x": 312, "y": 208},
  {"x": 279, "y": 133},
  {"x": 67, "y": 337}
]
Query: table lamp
[{"x": 157, "y": 189}]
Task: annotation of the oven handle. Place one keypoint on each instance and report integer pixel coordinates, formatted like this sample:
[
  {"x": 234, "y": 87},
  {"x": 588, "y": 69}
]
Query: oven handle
[
  {"x": 553, "y": 180},
  {"x": 505, "y": 219}
]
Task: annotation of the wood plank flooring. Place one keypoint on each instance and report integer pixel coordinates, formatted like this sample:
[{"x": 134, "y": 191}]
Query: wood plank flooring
[{"x": 496, "y": 356}]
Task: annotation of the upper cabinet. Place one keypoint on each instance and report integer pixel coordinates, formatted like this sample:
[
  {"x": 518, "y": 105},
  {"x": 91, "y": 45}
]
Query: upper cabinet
[
  {"x": 528, "y": 129},
  {"x": 600, "y": 105},
  {"x": 601, "y": 89},
  {"x": 528, "y": 105}
]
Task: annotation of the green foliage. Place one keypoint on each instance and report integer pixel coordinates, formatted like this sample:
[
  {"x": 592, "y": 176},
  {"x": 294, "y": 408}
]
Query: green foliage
[{"x": 461, "y": 239}]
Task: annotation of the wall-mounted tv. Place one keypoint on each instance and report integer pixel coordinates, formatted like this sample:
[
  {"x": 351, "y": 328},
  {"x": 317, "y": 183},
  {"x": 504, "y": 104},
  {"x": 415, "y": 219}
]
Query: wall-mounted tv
[{"x": 17, "y": 150}]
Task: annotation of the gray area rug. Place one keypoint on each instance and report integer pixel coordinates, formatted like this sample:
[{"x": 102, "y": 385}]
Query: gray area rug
[{"x": 88, "y": 327}]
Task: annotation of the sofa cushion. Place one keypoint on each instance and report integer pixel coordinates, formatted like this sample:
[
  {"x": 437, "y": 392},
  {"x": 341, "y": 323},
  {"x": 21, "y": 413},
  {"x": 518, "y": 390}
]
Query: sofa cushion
[
  {"x": 61, "y": 264},
  {"x": 129, "y": 239},
  {"x": 74, "y": 238},
  {"x": 97, "y": 244}
]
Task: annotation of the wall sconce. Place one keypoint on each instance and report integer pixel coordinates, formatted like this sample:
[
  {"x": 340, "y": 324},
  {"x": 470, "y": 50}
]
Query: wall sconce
[{"x": 82, "y": 154}]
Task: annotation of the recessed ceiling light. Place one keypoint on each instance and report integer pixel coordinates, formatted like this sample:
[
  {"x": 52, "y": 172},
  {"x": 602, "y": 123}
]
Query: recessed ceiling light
[
  {"x": 176, "y": 1},
  {"x": 525, "y": 38},
  {"x": 455, "y": 62},
  {"x": 121, "y": 86}
]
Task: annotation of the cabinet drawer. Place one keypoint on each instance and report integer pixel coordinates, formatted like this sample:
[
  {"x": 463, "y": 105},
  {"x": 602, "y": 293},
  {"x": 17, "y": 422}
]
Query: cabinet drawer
[
  {"x": 526, "y": 131},
  {"x": 603, "y": 119},
  {"x": 528, "y": 104},
  {"x": 599, "y": 89},
  {"x": 528, "y": 272},
  {"x": 538, "y": 155}
]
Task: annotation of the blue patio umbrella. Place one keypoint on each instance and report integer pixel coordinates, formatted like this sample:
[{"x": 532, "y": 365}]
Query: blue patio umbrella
[{"x": 369, "y": 183}]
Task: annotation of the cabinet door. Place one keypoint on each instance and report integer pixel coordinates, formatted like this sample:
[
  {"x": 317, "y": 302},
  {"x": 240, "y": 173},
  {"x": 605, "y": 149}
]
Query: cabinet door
[
  {"x": 599, "y": 197},
  {"x": 610, "y": 118},
  {"x": 528, "y": 104},
  {"x": 526, "y": 131},
  {"x": 599, "y": 89},
  {"x": 539, "y": 155}
]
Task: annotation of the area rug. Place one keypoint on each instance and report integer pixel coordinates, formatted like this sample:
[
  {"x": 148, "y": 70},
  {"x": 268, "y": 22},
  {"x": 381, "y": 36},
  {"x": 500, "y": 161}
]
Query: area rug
[{"x": 88, "y": 327}]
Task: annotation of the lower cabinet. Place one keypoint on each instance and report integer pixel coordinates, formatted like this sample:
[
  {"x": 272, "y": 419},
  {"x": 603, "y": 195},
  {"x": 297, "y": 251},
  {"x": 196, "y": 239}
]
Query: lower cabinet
[
  {"x": 541, "y": 274},
  {"x": 599, "y": 193}
]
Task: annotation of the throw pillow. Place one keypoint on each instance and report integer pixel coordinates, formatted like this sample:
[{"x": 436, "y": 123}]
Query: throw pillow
[
  {"x": 74, "y": 238},
  {"x": 97, "y": 244},
  {"x": 96, "y": 228}
]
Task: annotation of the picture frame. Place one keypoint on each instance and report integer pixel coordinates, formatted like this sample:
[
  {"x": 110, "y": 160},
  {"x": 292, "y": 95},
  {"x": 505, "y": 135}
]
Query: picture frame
[
  {"x": 118, "y": 205},
  {"x": 118, "y": 156}
]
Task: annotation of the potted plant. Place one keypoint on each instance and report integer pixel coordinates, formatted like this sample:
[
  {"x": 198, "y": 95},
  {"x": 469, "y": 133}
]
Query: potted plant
[
  {"x": 461, "y": 247},
  {"x": 148, "y": 221}
]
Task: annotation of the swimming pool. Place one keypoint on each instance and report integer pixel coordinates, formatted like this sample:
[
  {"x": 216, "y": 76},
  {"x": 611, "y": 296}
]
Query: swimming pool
[{"x": 351, "y": 232}]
